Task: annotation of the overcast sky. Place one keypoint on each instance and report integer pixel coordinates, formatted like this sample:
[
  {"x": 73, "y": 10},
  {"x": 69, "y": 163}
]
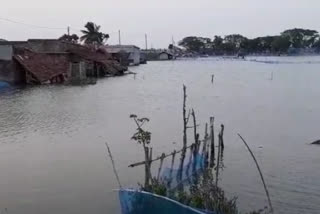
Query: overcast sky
[{"x": 160, "y": 19}]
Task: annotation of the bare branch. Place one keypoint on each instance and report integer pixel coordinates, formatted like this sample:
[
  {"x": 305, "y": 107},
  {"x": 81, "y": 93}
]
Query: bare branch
[
  {"x": 260, "y": 172},
  {"x": 113, "y": 165}
]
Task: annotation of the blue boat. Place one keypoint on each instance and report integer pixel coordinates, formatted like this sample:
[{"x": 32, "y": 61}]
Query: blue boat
[{"x": 140, "y": 202}]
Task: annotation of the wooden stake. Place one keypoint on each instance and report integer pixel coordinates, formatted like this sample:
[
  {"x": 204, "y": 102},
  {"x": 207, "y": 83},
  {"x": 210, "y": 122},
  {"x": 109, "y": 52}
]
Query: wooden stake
[
  {"x": 146, "y": 167},
  {"x": 218, "y": 162},
  {"x": 212, "y": 152},
  {"x": 185, "y": 122},
  {"x": 160, "y": 167},
  {"x": 221, "y": 133},
  {"x": 171, "y": 169}
]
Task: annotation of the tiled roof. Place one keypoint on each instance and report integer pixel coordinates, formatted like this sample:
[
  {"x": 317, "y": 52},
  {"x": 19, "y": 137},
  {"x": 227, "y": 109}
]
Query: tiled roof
[{"x": 43, "y": 66}]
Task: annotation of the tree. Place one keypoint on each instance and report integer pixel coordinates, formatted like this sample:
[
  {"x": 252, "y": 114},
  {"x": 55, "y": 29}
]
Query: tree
[
  {"x": 195, "y": 44},
  {"x": 281, "y": 44},
  {"x": 265, "y": 43},
  {"x": 235, "y": 39},
  {"x": 217, "y": 41},
  {"x": 69, "y": 38},
  {"x": 92, "y": 34},
  {"x": 316, "y": 45},
  {"x": 301, "y": 38}
]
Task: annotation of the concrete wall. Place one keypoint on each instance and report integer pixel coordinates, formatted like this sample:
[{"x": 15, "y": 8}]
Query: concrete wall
[
  {"x": 6, "y": 71},
  {"x": 11, "y": 73},
  {"x": 48, "y": 46},
  {"x": 78, "y": 73},
  {"x": 6, "y": 52}
]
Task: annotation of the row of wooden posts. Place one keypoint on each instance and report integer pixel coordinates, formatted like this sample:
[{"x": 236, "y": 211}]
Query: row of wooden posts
[{"x": 208, "y": 148}]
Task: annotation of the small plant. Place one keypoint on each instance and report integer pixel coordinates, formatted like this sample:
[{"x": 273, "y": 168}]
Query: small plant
[
  {"x": 143, "y": 138},
  {"x": 158, "y": 187}
]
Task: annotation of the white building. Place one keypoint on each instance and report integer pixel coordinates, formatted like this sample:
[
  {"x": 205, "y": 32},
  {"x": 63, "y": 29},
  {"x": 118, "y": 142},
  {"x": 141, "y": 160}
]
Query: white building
[
  {"x": 134, "y": 56},
  {"x": 165, "y": 56}
]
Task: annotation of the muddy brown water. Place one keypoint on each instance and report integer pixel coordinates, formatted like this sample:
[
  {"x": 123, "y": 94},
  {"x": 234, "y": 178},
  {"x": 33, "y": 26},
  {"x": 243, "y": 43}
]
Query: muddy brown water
[{"x": 52, "y": 153}]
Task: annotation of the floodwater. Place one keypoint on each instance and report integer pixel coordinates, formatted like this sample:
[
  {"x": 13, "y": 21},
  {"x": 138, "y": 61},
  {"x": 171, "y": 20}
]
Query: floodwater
[{"x": 53, "y": 157}]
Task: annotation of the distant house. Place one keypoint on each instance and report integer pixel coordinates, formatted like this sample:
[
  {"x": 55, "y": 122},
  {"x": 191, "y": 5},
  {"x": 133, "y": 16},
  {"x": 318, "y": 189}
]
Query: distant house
[
  {"x": 133, "y": 51},
  {"x": 158, "y": 54},
  {"x": 165, "y": 56}
]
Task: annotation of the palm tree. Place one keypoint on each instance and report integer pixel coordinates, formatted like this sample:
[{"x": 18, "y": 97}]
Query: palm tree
[{"x": 92, "y": 34}]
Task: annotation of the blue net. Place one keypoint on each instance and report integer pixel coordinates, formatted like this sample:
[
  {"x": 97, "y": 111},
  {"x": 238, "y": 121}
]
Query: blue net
[{"x": 194, "y": 167}]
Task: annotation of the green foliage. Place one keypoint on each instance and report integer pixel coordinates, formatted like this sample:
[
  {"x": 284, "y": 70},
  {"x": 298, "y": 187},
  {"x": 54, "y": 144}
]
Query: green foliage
[
  {"x": 235, "y": 43},
  {"x": 92, "y": 34},
  {"x": 141, "y": 136},
  {"x": 235, "y": 39},
  {"x": 301, "y": 38},
  {"x": 195, "y": 44},
  {"x": 316, "y": 45},
  {"x": 69, "y": 38},
  {"x": 158, "y": 187},
  {"x": 281, "y": 44}
]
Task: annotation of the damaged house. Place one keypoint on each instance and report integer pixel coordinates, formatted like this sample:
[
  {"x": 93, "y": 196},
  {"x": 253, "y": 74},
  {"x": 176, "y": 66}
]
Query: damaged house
[{"x": 54, "y": 61}]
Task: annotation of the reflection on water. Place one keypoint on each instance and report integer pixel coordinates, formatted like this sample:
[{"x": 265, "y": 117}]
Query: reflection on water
[{"x": 52, "y": 153}]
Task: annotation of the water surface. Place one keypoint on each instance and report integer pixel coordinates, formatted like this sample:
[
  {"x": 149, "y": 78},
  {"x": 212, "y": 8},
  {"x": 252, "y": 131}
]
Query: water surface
[{"x": 52, "y": 153}]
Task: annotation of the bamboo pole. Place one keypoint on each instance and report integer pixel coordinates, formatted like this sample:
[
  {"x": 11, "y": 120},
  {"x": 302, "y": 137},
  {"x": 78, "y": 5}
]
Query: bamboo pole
[
  {"x": 160, "y": 167},
  {"x": 196, "y": 141},
  {"x": 222, "y": 131},
  {"x": 260, "y": 172},
  {"x": 194, "y": 126},
  {"x": 185, "y": 122},
  {"x": 212, "y": 152},
  {"x": 190, "y": 159},
  {"x": 171, "y": 169},
  {"x": 156, "y": 159},
  {"x": 218, "y": 161},
  {"x": 204, "y": 146},
  {"x": 146, "y": 167}
]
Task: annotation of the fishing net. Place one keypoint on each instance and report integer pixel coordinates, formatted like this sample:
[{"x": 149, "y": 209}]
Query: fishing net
[{"x": 191, "y": 169}]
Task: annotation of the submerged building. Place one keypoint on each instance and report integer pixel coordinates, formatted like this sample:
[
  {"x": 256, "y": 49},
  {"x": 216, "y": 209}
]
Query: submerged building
[
  {"x": 131, "y": 52},
  {"x": 54, "y": 61}
]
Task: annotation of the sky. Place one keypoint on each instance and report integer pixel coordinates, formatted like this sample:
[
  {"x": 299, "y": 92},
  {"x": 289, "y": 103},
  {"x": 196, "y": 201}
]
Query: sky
[{"x": 161, "y": 20}]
